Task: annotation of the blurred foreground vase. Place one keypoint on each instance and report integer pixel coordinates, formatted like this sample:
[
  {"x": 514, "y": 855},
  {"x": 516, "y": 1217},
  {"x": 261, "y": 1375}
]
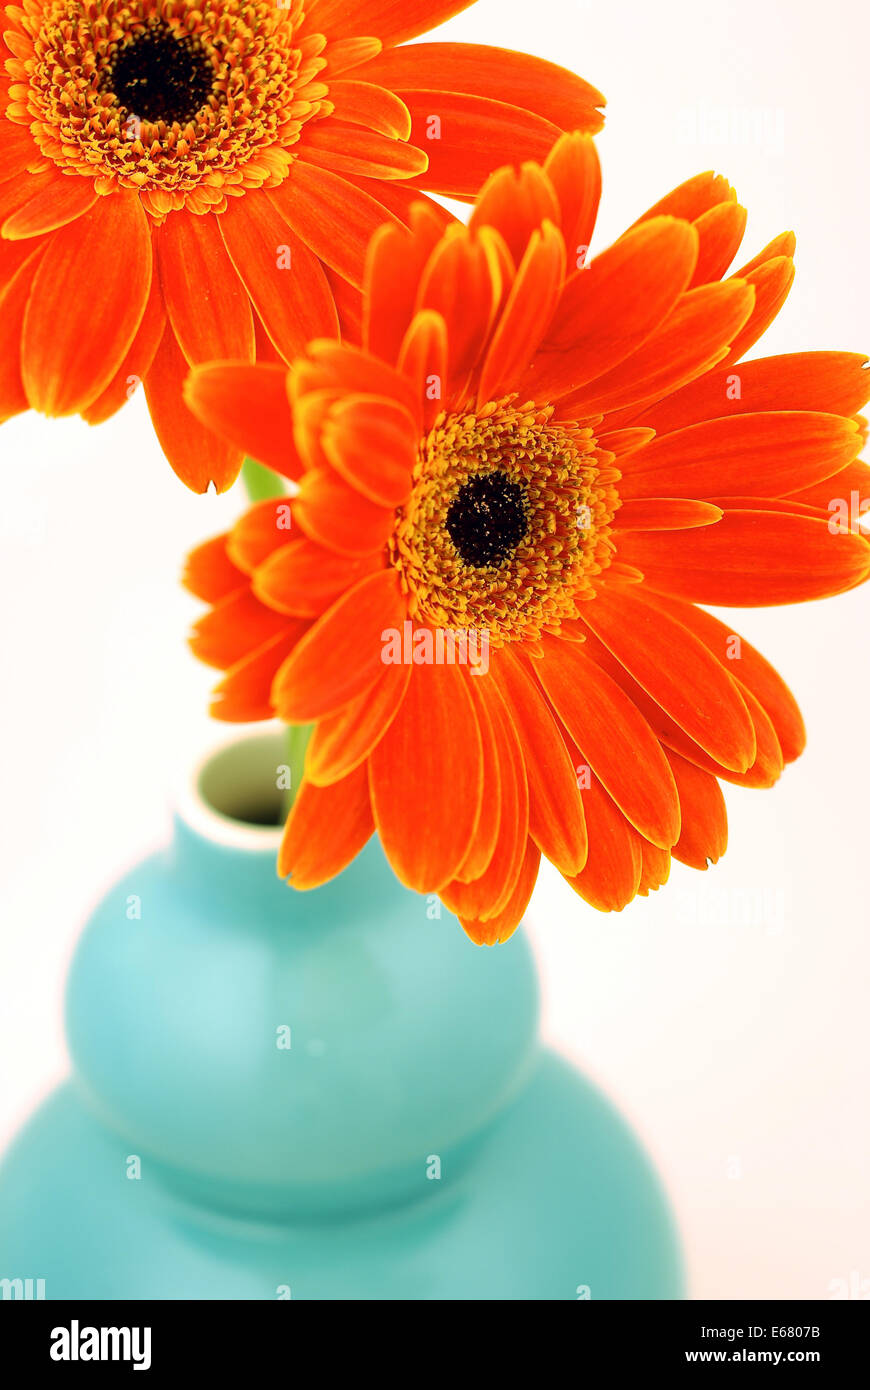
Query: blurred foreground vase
[{"x": 329, "y": 1095}]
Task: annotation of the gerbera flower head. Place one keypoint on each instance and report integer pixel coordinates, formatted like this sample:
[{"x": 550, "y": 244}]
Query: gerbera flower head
[
  {"x": 506, "y": 509},
  {"x": 183, "y": 180}
]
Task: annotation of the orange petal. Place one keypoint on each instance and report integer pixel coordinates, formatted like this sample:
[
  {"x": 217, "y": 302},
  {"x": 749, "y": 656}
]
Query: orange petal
[
  {"x": 302, "y": 578},
  {"x": 260, "y": 532},
  {"x": 197, "y": 456},
  {"x": 16, "y": 192},
  {"x": 333, "y": 216},
  {"x": 771, "y": 278},
  {"x": 425, "y": 802},
  {"x": 14, "y": 254},
  {"x": 18, "y": 150},
  {"x": 611, "y": 876},
  {"x": 784, "y": 450},
  {"x": 753, "y": 671},
  {"x": 423, "y": 359},
  {"x": 341, "y": 55},
  {"x": 372, "y": 442},
  {"x": 396, "y": 259},
  {"x": 220, "y": 395},
  {"x": 342, "y": 741},
  {"x": 530, "y": 304},
  {"x": 666, "y": 730},
  {"x": 482, "y": 71},
  {"x": 402, "y": 201},
  {"x": 769, "y": 761},
  {"x": 14, "y": 294},
  {"x": 348, "y": 306},
  {"x": 73, "y": 344},
  {"x": 836, "y": 383},
  {"x": 704, "y": 820},
  {"x": 517, "y": 202},
  {"x": 310, "y": 413},
  {"x": 346, "y": 149},
  {"x": 490, "y": 892},
  {"x": 609, "y": 308},
  {"x": 618, "y": 743},
  {"x": 767, "y": 765},
  {"x": 339, "y": 517},
  {"x": 750, "y": 558},
  {"x": 573, "y": 169},
  {"x": 556, "y": 820},
  {"x": 326, "y": 829},
  {"x": 851, "y": 486},
  {"x": 677, "y": 670},
  {"x": 368, "y": 104},
  {"x": 206, "y": 301},
  {"x": 692, "y": 199},
  {"x": 63, "y": 201},
  {"x": 692, "y": 339},
  {"x": 503, "y": 925},
  {"x": 235, "y": 628},
  {"x": 623, "y": 443},
  {"x": 655, "y": 868},
  {"x": 265, "y": 348},
  {"x": 710, "y": 203},
  {"x": 283, "y": 277},
  {"x": 720, "y": 231},
  {"x": 244, "y": 694},
  {"x": 343, "y": 653},
  {"x": 624, "y": 574},
  {"x": 769, "y": 504},
  {"x": 137, "y": 363},
  {"x": 665, "y": 514},
  {"x": 474, "y": 136},
  {"x": 210, "y": 574},
  {"x": 462, "y": 283},
  {"x": 335, "y": 366},
  {"x": 392, "y": 23},
  {"x": 497, "y": 794}
]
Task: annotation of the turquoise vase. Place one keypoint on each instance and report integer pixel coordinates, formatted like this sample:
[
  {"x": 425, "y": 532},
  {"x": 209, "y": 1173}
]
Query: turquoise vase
[{"x": 330, "y": 1094}]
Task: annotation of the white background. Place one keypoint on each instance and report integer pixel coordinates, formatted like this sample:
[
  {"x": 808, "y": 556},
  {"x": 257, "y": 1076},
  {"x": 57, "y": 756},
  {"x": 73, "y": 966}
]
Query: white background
[{"x": 727, "y": 1015}]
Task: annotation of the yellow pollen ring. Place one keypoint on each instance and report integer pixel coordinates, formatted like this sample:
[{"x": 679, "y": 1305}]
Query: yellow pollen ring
[
  {"x": 267, "y": 85},
  {"x": 570, "y": 500}
]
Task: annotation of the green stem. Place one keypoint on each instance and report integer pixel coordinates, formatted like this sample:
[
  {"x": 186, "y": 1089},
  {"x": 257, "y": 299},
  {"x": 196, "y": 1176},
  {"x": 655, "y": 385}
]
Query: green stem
[
  {"x": 261, "y": 483},
  {"x": 297, "y": 744}
]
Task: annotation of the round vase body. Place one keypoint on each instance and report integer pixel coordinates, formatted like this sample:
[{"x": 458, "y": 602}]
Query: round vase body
[{"x": 331, "y": 1094}]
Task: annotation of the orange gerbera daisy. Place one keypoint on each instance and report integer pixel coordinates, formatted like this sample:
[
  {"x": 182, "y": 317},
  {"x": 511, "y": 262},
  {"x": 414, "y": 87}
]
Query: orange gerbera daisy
[
  {"x": 183, "y": 180},
  {"x": 549, "y": 462}
]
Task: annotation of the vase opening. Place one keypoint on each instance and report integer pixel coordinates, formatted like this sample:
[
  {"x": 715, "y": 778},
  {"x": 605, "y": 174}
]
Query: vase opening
[
  {"x": 240, "y": 782},
  {"x": 236, "y": 794}
]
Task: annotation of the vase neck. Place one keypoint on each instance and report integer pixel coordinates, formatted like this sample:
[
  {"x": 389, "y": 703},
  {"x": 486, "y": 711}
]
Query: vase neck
[{"x": 242, "y": 872}]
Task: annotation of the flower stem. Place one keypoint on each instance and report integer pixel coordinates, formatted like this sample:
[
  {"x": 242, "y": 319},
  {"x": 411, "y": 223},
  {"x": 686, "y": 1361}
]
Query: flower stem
[
  {"x": 261, "y": 483},
  {"x": 297, "y": 743}
]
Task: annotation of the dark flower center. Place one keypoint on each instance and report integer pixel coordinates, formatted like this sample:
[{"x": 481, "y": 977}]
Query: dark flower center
[
  {"x": 488, "y": 518},
  {"x": 162, "y": 75}
]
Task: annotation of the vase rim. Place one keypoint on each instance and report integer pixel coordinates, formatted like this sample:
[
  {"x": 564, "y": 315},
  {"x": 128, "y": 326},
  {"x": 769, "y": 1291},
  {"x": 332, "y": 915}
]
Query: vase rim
[{"x": 230, "y": 776}]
